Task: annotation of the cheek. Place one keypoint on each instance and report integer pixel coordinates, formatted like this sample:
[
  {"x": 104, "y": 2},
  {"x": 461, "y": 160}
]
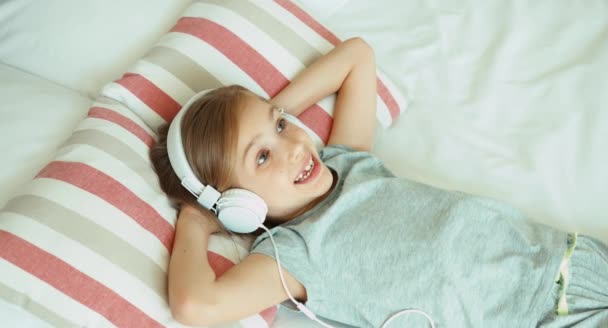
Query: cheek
[
  {"x": 270, "y": 187},
  {"x": 274, "y": 198},
  {"x": 295, "y": 130},
  {"x": 303, "y": 135}
]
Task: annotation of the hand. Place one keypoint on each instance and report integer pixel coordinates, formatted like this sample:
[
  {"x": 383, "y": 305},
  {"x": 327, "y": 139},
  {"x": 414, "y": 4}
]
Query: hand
[{"x": 207, "y": 220}]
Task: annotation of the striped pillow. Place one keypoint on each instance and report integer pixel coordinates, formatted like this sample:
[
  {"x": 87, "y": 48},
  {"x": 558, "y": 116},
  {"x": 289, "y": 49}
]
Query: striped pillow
[
  {"x": 260, "y": 45},
  {"x": 87, "y": 242}
]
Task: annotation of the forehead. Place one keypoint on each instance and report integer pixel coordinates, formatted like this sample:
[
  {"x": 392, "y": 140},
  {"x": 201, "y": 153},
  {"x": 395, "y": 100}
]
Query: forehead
[
  {"x": 254, "y": 110},
  {"x": 253, "y": 119}
]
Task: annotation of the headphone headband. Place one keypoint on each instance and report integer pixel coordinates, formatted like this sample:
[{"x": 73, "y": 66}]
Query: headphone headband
[
  {"x": 239, "y": 210},
  {"x": 205, "y": 195}
]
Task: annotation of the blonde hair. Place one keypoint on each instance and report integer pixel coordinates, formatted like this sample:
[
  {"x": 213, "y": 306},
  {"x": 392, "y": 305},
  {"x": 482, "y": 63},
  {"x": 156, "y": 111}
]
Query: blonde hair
[{"x": 209, "y": 135}]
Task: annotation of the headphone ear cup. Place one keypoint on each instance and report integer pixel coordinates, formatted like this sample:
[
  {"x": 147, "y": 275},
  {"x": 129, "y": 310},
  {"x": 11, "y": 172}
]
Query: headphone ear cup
[{"x": 241, "y": 210}]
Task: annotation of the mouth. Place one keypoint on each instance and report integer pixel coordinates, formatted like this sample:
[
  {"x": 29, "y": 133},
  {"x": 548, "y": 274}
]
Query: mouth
[{"x": 309, "y": 172}]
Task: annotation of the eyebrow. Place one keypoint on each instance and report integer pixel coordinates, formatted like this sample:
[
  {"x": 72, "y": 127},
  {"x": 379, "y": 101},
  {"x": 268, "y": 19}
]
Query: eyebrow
[{"x": 270, "y": 118}]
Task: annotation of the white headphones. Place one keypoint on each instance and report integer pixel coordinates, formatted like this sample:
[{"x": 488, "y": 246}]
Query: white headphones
[{"x": 239, "y": 210}]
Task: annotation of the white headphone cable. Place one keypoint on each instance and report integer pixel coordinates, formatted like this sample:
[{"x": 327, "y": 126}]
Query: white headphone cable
[
  {"x": 402, "y": 312},
  {"x": 299, "y": 305},
  {"x": 311, "y": 315}
]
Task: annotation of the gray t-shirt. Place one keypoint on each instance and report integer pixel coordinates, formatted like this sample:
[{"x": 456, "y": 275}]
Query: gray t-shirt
[{"x": 378, "y": 244}]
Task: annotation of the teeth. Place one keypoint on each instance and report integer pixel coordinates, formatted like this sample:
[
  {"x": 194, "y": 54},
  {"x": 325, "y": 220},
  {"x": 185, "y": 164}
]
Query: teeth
[{"x": 306, "y": 173}]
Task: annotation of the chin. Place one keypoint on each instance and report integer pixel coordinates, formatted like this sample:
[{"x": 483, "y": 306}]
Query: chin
[{"x": 286, "y": 214}]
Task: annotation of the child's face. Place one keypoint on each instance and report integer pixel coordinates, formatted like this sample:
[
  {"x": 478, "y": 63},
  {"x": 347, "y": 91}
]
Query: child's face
[{"x": 273, "y": 160}]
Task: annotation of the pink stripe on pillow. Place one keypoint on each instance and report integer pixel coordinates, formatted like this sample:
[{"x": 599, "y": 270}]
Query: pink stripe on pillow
[
  {"x": 218, "y": 263},
  {"x": 309, "y": 20},
  {"x": 269, "y": 315},
  {"x": 236, "y": 50},
  {"x": 72, "y": 282},
  {"x": 383, "y": 91},
  {"x": 318, "y": 121},
  {"x": 112, "y": 191},
  {"x": 387, "y": 97},
  {"x": 112, "y": 116},
  {"x": 165, "y": 106}
]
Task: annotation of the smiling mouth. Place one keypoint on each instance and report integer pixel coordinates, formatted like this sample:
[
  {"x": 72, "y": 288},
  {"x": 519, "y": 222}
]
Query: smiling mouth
[{"x": 305, "y": 174}]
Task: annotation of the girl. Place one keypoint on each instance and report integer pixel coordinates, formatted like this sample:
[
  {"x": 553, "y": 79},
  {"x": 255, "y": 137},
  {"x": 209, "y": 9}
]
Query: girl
[{"x": 356, "y": 243}]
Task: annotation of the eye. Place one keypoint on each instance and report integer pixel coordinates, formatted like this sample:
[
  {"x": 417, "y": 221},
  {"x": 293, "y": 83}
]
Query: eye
[
  {"x": 263, "y": 157},
  {"x": 281, "y": 125}
]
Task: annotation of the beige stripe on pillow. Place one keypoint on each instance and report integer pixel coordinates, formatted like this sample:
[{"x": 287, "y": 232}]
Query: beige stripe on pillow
[
  {"x": 135, "y": 144},
  {"x": 98, "y": 239},
  {"x": 315, "y": 38},
  {"x": 88, "y": 268},
  {"x": 216, "y": 63},
  {"x": 40, "y": 311},
  {"x": 119, "y": 108},
  {"x": 225, "y": 29},
  {"x": 35, "y": 285},
  {"x": 280, "y": 32},
  {"x": 100, "y": 212},
  {"x": 119, "y": 150},
  {"x": 115, "y": 174},
  {"x": 195, "y": 76}
]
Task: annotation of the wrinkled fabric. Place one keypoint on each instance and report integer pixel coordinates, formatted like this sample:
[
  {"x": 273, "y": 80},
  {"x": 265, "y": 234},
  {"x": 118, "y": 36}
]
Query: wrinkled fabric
[
  {"x": 378, "y": 244},
  {"x": 586, "y": 291}
]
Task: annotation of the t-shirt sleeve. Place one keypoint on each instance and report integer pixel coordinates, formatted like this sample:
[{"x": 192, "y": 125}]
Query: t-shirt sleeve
[
  {"x": 332, "y": 151},
  {"x": 292, "y": 251}
]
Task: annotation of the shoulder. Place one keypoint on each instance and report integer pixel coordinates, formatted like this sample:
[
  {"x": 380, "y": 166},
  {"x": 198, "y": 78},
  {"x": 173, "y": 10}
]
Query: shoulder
[
  {"x": 346, "y": 160},
  {"x": 332, "y": 150}
]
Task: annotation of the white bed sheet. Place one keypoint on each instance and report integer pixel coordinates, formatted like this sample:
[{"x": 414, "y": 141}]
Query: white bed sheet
[{"x": 507, "y": 99}]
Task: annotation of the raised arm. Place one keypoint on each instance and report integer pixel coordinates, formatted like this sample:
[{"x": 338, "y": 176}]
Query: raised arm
[
  {"x": 350, "y": 70},
  {"x": 198, "y": 297}
]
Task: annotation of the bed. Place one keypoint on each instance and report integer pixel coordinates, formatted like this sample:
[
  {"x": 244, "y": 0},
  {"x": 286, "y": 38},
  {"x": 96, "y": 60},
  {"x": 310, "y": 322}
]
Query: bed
[{"x": 505, "y": 99}]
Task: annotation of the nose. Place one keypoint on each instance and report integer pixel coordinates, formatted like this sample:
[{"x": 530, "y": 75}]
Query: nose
[{"x": 294, "y": 149}]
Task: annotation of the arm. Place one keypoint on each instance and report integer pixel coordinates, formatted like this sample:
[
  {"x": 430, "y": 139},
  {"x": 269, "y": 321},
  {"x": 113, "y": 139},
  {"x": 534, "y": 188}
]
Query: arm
[
  {"x": 198, "y": 297},
  {"x": 350, "y": 70}
]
